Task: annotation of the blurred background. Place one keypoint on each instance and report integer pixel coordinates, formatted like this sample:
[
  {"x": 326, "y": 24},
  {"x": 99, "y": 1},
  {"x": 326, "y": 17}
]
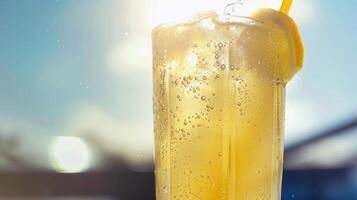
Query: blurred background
[{"x": 76, "y": 89}]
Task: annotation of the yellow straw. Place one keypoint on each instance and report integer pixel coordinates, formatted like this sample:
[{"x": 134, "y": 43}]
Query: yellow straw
[{"x": 285, "y": 6}]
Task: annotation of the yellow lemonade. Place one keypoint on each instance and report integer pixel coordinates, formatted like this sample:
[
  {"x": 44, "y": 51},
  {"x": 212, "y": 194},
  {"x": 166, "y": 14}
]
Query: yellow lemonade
[{"x": 219, "y": 88}]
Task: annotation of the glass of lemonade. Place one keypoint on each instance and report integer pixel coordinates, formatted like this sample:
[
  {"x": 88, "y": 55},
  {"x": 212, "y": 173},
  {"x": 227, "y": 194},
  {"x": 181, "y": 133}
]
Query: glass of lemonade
[{"x": 219, "y": 87}]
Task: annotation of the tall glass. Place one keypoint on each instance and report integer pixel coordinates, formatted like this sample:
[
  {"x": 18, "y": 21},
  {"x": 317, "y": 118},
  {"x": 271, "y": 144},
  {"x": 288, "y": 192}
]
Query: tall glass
[{"x": 219, "y": 109}]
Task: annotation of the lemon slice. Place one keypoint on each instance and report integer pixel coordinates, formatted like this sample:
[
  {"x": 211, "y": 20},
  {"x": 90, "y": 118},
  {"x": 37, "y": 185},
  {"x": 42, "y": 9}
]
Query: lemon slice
[{"x": 288, "y": 25}]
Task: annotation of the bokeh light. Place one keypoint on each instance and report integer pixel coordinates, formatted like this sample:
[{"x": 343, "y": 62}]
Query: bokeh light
[{"x": 70, "y": 155}]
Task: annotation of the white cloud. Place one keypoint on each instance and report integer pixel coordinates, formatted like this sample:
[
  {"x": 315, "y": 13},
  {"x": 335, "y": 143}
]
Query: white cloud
[
  {"x": 304, "y": 12},
  {"x": 132, "y": 55},
  {"x": 300, "y": 119},
  {"x": 134, "y": 141},
  {"x": 329, "y": 153}
]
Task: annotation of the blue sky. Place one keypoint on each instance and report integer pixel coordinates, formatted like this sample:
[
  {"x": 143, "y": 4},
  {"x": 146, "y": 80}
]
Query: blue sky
[
  {"x": 50, "y": 61},
  {"x": 73, "y": 65}
]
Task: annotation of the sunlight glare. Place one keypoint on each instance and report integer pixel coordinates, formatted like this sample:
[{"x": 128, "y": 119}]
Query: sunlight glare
[
  {"x": 251, "y": 6},
  {"x": 164, "y": 11},
  {"x": 303, "y": 12}
]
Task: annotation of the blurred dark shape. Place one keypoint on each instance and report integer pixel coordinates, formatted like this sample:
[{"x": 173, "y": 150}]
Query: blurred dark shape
[
  {"x": 116, "y": 179},
  {"x": 8, "y": 147},
  {"x": 109, "y": 160},
  {"x": 316, "y": 183},
  {"x": 118, "y": 185},
  {"x": 319, "y": 184}
]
